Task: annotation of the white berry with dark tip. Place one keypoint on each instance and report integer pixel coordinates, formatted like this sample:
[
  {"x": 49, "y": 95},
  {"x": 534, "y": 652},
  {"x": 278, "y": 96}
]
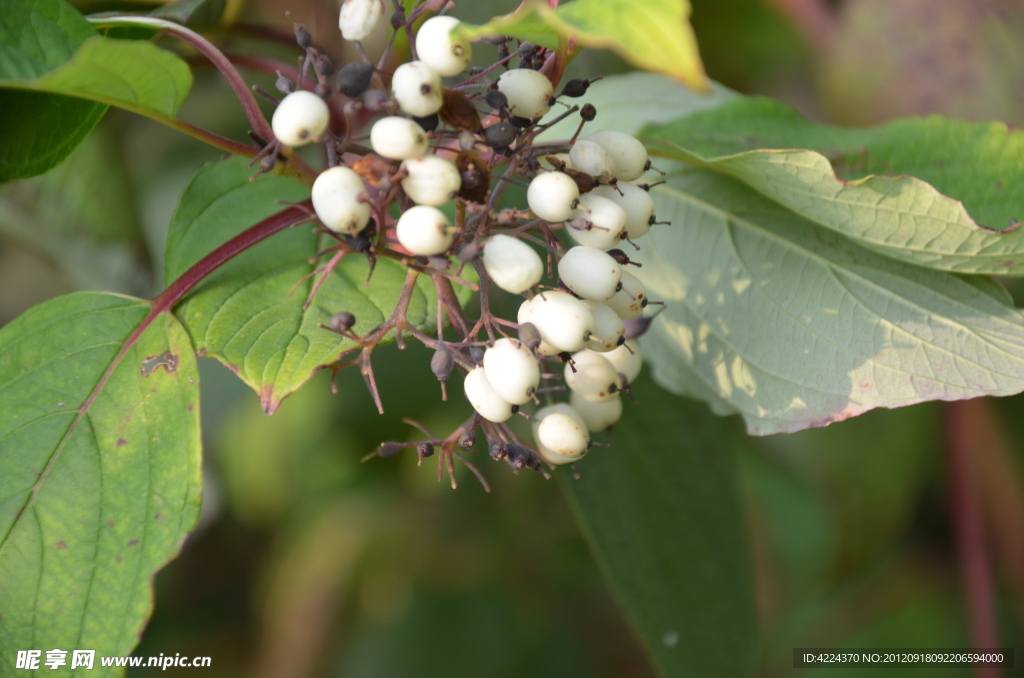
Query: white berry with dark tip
[
  {"x": 524, "y": 316},
  {"x": 553, "y": 196},
  {"x": 424, "y": 230},
  {"x": 592, "y": 376},
  {"x": 336, "y": 200},
  {"x": 608, "y": 327},
  {"x": 431, "y": 181},
  {"x": 630, "y": 300},
  {"x": 484, "y": 399},
  {"x": 417, "y": 89},
  {"x": 628, "y": 364},
  {"x": 629, "y": 156},
  {"x": 513, "y": 265},
  {"x": 562, "y": 438},
  {"x": 300, "y": 118},
  {"x": 528, "y": 92},
  {"x": 511, "y": 370},
  {"x": 591, "y": 158},
  {"x": 603, "y": 222},
  {"x": 597, "y": 416},
  {"x": 359, "y": 19},
  {"x": 638, "y": 204},
  {"x": 562, "y": 320},
  {"x": 398, "y": 138},
  {"x": 590, "y": 273},
  {"x": 436, "y": 48}
]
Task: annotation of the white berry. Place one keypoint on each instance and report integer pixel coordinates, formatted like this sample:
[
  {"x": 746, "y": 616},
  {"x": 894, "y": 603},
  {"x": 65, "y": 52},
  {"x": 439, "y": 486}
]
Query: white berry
[
  {"x": 637, "y": 202},
  {"x": 629, "y": 156},
  {"x": 594, "y": 378},
  {"x": 553, "y": 196},
  {"x": 562, "y": 438},
  {"x": 336, "y": 200},
  {"x": 630, "y": 300},
  {"x": 513, "y": 265},
  {"x": 398, "y": 138},
  {"x": 424, "y": 230},
  {"x": 604, "y": 222},
  {"x": 301, "y": 117},
  {"x": 562, "y": 320},
  {"x": 528, "y": 92},
  {"x": 431, "y": 181},
  {"x": 511, "y": 370},
  {"x": 627, "y": 364},
  {"x": 524, "y": 316},
  {"x": 591, "y": 158},
  {"x": 360, "y": 19},
  {"x": 597, "y": 416},
  {"x": 435, "y": 47},
  {"x": 608, "y": 327},
  {"x": 590, "y": 273},
  {"x": 417, "y": 89},
  {"x": 484, "y": 398}
]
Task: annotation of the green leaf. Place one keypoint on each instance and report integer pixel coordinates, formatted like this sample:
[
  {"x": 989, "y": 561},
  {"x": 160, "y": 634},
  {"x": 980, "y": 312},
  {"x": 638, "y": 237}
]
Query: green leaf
[
  {"x": 662, "y": 514},
  {"x": 246, "y": 314},
  {"x": 131, "y": 74},
  {"x": 627, "y": 102},
  {"x": 37, "y": 36},
  {"x": 99, "y": 470},
  {"x": 949, "y": 183},
  {"x": 796, "y": 326},
  {"x": 40, "y": 130},
  {"x": 651, "y": 34}
]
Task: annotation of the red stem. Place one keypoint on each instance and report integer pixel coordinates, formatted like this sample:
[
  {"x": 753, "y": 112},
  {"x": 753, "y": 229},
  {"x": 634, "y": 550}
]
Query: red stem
[
  {"x": 965, "y": 509},
  {"x": 210, "y": 51},
  {"x": 232, "y": 248}
]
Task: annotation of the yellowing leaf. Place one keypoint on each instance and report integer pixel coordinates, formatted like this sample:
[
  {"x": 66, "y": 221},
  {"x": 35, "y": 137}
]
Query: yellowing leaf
[{"x": 652, "y": 34}]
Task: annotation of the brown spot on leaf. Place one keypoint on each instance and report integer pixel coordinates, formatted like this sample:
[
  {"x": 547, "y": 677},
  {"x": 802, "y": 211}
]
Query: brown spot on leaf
[
  {"x": 111, "y": 523},
  {"x": 166, "y": 360},
  {"x": 158, "y": 516},
  {"x": 190, "y": 407},
  {"x": 60, "y": 545},
  {"x": 133, "y": 542},
  {"x": 119, "y": 559},
  {"x": 121, "y": 442}
]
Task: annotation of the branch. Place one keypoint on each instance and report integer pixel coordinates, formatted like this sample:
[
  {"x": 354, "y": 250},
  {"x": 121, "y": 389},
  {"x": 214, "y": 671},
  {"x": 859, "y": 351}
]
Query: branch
[
  {"x": 963, "y": 419},
  {"x": 229, "y": 250},
  {"x": 207, "y": 48}
]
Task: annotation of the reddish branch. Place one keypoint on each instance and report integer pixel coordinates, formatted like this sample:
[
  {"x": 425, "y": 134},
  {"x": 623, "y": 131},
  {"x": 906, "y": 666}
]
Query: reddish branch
[
  {"x": 216, "y": 57},
  {"x": 963, "y": 419}
]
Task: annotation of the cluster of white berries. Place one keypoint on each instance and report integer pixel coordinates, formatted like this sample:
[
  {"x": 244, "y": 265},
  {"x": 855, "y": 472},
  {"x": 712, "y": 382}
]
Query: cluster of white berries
[
  {"x": 585, "y": 322},
  {"x": 432, "y": 146}
]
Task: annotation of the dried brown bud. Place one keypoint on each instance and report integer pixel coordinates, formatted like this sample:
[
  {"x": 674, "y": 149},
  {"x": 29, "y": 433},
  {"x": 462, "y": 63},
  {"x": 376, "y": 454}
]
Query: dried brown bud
[{"x": 458, "y": 112}]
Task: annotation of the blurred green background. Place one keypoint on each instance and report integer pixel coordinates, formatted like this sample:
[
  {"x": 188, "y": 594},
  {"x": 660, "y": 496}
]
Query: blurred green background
[{"x": 307, "y": 562}]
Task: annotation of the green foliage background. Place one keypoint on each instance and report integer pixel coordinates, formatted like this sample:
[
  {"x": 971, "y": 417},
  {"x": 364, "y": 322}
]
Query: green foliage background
[{"x": 307, "y": 563}]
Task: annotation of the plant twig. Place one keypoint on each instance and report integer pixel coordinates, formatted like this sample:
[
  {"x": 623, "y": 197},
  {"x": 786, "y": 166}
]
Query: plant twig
[
  {"x": 209, "y": 50},
  {"x": 968, "y": 529}
]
